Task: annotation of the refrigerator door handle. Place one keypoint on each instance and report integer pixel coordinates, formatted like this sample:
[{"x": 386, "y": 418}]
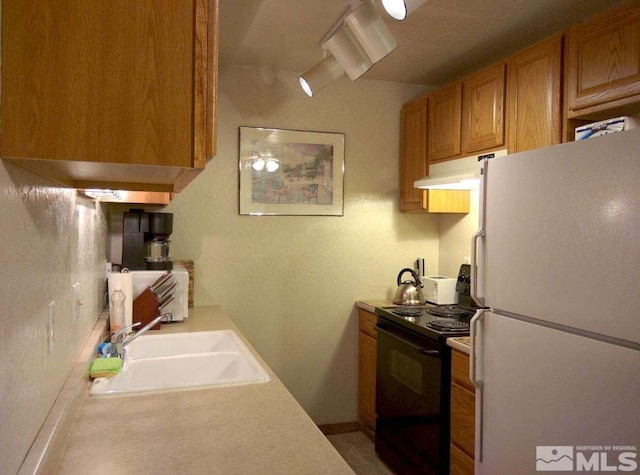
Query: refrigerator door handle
[
  {"x": 475, "y": 295},
  {"x": 477, "y": 256},
  {"x": 475, "y": 354},
  {"x": 475, "y": 375}
]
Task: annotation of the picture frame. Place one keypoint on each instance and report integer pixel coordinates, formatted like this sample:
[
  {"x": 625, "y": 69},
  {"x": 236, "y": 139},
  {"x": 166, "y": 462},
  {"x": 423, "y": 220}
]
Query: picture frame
[{"x": 290, "y": 172}]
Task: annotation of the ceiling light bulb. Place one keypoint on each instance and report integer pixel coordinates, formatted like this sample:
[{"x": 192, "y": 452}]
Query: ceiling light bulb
[
  {"x": 320, "y": 75},
  {"x": 272, "y": 165},
  {"x": 401, "y": 9},
  {"x": 258, "y": 164}
]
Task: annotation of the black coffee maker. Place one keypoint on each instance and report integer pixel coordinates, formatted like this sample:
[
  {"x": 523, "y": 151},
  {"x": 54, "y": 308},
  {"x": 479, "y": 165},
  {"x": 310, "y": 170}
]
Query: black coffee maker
[{"x": 145, "y": 240}]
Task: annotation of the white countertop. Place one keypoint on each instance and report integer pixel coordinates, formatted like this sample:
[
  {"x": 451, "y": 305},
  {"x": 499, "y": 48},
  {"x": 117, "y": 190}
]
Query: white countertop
[{"x": 257, "y": 428}]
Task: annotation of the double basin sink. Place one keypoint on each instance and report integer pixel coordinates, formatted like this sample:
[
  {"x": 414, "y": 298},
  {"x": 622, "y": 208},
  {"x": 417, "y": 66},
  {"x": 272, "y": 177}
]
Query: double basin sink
[{"x": 183, "y": 361}]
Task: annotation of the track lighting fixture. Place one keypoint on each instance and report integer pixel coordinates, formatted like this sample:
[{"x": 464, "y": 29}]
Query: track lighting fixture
[
  {"x": 320, "y": 75},
  {"x": 357, "y": 41},
  {"x": 401, "y": 9},
  {"x": 371, "y": 31}
]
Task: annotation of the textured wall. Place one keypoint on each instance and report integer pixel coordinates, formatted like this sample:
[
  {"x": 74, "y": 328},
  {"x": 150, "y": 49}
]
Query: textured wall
[
  {"x": 51, "y": 239},
  {"x": 290, "y": 282},
  {"x": 456, "y": 231}
]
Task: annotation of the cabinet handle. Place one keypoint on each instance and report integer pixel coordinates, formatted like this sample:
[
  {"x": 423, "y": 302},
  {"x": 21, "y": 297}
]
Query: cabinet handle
[
  {"x": 419, "y": 349},
  {"x": 435, "y": 353}
]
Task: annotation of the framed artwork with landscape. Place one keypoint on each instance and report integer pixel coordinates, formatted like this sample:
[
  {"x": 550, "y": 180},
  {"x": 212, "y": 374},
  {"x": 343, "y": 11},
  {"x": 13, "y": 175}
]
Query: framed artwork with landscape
[{"x": 291, "y": 172}]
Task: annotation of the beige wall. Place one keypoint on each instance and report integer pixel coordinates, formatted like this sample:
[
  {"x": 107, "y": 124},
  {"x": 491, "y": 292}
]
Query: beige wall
[
  {"x": 290, "y": 282},
  {"x": 456, "y": 231},
  {"x": 51, "y": 239}
]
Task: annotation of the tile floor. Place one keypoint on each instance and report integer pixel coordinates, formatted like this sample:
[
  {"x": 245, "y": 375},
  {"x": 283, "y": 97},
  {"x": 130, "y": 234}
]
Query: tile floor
[{"x": 357, "y": 449}]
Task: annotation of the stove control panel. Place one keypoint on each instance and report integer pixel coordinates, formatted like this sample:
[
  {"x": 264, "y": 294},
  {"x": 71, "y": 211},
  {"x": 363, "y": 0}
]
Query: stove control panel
[{"x": 463, "y": 286}]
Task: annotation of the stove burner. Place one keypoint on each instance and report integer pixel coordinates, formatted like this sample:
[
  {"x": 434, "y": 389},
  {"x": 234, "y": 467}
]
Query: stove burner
[
  {"x": 449, "y": 325},
  {"x": 407, "y": 311},
  {"x": 448, "y": 311}
]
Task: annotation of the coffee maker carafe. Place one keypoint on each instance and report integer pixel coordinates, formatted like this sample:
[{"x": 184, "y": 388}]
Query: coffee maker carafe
[{"x": 145, "y": 240}]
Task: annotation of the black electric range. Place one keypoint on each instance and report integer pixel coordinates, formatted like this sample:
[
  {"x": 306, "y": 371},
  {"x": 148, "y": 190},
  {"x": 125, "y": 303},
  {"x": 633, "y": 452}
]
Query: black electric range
[{"x": 413, "y": 379}]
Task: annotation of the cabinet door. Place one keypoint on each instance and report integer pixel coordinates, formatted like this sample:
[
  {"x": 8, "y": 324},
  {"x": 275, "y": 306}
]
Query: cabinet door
[
  {"x": 483, "y": 110},
  {"x": 603, "y": 61},
  {"x": 443, "y": 124},
  {"x": 367, "y": 379},
  {"x": 460, "y": 462},
  {"x": 534, "y": 85},
  {"x": 128, "y": 84},
  {"x": 463, "y": 418},
  {"x": 413, "y": 154}
]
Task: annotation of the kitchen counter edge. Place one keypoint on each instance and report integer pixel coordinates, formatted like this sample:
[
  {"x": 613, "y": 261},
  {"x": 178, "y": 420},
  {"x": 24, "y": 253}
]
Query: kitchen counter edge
[{"x": 236, "y": 429}]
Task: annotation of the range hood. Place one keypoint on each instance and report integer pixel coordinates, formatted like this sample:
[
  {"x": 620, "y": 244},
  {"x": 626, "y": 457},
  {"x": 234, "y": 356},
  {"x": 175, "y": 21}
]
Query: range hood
[{"x": 458, "y": 174}]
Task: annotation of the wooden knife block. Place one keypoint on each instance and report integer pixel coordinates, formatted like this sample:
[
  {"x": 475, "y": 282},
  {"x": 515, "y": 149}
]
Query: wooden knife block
[{"x": 145, "y": 309}]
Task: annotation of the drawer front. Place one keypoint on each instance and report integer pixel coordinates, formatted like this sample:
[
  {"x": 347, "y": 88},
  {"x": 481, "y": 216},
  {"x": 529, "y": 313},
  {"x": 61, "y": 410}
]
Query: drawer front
[
  {"x": 463, "y": 418},
  {"x": 367, "y": 322},
  {"x": 460, "y": 369},
  {"x": 461, "y": 463}
]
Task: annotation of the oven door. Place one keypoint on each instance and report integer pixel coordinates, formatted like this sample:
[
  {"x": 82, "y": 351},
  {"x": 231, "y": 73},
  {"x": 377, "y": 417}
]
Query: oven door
[{"x": 412, "y": 411}]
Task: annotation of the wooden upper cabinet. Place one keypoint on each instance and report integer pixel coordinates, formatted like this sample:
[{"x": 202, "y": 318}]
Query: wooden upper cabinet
[
  {"x": 483, "y": 109},
  {"x": 534, "y": 85},
  {"x": 413, "y": 153},
  {"x": 603, "y": 62},
  {"x": 110, "y": 92},
  {"x": 443, "y": 125},
  {"x": 413, "y": 166}
]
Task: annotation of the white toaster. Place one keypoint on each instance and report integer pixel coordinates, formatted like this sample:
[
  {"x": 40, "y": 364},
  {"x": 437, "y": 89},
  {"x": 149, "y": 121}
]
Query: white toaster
[{"x": 440, "y": 290}]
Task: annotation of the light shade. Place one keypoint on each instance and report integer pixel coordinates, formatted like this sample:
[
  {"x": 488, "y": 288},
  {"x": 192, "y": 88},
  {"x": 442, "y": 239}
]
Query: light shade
[
  {"x": 320, "y": 75},
  {"x": 401, "y": 9},
  {"x": 371, "y": 31},
  {"x": 345, "y": 48}
]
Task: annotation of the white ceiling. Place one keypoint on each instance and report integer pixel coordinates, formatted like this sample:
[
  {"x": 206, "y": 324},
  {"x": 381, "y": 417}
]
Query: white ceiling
[{"x": 442, "y": 41}]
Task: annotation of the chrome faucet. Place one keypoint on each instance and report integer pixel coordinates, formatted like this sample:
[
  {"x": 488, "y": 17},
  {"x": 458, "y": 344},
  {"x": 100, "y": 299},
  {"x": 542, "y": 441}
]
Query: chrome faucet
[{"x": 118, "y": 338}]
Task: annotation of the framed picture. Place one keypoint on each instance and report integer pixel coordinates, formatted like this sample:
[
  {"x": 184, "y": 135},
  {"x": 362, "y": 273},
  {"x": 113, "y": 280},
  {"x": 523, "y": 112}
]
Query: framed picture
[{"x": 291, "y": 172}]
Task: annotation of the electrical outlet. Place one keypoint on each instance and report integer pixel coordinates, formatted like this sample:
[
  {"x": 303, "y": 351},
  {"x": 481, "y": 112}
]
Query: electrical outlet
[
  {"x": 51, "y": 324},
  {"x": 75, "y": 301}
]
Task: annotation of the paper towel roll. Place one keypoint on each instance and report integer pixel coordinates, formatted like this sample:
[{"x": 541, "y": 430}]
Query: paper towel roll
[{"x": 126, "y": 282}]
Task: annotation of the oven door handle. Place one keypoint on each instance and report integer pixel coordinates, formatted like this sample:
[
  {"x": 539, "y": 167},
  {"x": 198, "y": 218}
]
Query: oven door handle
[{"x": 419, "y": 349}]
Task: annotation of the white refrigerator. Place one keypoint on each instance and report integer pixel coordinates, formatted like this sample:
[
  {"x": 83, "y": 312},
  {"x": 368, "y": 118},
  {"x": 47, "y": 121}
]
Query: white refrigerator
[{"x": 555, "y": 357}]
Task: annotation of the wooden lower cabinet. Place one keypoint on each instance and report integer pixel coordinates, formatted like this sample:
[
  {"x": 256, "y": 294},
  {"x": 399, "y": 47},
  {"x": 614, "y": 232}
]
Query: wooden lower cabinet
[
  {"x": 462, "y": 416},
  {"x": 367, "y": 342},
  {"x": 460, "y": 462}
]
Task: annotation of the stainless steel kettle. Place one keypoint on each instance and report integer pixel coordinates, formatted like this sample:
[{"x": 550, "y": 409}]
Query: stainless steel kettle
[{"x": 409, "y": 292}]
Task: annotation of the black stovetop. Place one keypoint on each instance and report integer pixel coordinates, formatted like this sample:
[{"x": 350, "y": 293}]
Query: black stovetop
[
  {"x": 420, "y": 319},
  {"x": 419, "y": 322}
]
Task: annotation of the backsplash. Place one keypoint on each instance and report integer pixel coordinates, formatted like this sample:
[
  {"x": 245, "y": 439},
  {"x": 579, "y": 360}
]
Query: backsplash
[{"x": 52, "y": 238}]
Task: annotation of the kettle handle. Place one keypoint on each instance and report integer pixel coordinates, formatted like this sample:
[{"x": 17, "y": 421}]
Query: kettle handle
[{"x": 414, "y": 275}]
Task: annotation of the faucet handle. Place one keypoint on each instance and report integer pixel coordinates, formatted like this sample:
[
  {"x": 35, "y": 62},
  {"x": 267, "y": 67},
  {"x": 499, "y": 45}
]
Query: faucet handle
[{"x": 120, "y": 333}]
